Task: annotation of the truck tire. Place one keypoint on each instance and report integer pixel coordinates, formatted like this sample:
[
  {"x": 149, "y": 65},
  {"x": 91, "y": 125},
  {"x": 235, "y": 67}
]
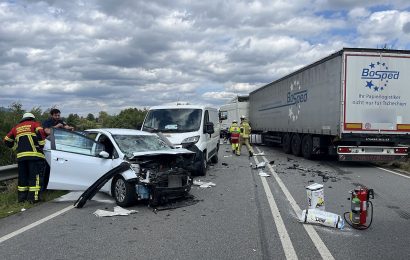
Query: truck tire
[
  {"x": 307, "y": 146},
  {"x": 296, "y": 145},
  {"x": 286, "y": 144}
]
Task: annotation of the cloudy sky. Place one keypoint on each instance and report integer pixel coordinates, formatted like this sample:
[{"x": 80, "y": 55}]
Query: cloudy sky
[{"x": 94, "y": 55}]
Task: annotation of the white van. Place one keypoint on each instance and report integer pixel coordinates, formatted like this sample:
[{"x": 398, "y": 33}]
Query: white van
[{"x": 193, "y": 127}]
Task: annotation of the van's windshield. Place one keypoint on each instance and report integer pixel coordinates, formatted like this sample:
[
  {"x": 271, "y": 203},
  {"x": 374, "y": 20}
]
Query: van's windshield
[{"x": 173, "y": 120}]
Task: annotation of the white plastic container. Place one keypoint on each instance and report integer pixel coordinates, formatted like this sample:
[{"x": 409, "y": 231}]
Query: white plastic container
[
  {"x": 315, "y": 196},
  {"x": 315, "y": 216}
]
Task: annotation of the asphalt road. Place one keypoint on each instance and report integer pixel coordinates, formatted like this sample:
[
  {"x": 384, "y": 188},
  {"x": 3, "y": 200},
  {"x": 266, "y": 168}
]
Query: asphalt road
[{"x": 244, "y": 216}]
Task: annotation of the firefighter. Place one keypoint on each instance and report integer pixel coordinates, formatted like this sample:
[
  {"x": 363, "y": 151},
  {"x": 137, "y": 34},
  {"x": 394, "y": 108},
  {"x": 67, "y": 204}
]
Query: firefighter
[
  {"x": 244, "y": 137},
  {"x": 28, "y": 138},
  {"x": 234, "y": 132}
]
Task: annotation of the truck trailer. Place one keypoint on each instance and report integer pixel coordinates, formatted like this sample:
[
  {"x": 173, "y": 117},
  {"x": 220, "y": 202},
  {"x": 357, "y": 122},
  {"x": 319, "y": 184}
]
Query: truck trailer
[{"x": 354, "y": 103}]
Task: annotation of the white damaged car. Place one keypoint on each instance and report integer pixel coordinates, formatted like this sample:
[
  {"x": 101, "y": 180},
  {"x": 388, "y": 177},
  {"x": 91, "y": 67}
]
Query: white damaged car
[{"x": 156, "y": 172}]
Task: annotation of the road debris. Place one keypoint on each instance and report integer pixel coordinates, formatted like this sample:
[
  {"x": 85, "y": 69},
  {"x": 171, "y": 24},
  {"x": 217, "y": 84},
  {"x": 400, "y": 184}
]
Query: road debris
[
  {"x": 259, "y": 154},
  {"x": 263, "y": 174},
  {"x": 260, "y": 165},
  {"x": 177, "y": 203},
  {"x": 315, "y": 196},
  {"x": 202, "y": 184},
  {"x": 315, "y": 216},
  {"x": 118, "y": 211},
  {"x": 23, "y": 209},
  {"x": 226, "y": 156}
]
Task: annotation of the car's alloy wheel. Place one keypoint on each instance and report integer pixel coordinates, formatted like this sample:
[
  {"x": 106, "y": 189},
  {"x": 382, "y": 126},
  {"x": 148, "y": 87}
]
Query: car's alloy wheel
[
  {"x": 124, "y": 192},
  {"x": 120, "y": 190}
]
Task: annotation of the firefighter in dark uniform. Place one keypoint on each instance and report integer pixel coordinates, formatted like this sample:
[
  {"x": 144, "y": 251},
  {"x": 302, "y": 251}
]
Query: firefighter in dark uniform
[{"x": 28, "y": 138}]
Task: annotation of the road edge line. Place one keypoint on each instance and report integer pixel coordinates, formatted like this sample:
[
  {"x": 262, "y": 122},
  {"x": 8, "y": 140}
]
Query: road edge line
[
  {"x": 396, "y": 173},
  {"x": 314, "y": 236},
  {"x": 34, "y": 224},
  {"x": 287, "y": 245}
]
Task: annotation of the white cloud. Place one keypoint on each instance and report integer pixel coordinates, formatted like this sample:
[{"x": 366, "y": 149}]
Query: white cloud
[{"x": 87, "y": 56}]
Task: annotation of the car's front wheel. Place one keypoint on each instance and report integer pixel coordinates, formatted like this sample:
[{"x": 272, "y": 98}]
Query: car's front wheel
[{"x": 123, "y": 192}]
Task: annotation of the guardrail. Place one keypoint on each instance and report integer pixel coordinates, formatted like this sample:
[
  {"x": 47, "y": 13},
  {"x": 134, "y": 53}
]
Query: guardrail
[{"x": 8, "y": 172}]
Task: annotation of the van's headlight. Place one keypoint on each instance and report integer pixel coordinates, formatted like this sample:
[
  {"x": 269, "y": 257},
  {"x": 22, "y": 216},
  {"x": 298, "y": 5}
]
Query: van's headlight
[{"x": 191, "y": 140}]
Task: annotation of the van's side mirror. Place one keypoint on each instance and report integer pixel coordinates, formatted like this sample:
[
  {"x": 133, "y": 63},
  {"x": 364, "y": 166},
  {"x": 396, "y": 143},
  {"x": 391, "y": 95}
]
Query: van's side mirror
[{"x": 209, "y": 128}]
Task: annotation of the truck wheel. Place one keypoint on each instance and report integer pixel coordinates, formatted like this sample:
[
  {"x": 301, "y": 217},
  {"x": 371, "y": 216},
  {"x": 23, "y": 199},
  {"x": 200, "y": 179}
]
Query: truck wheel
[
  {"x": 307, "y": 146},
  {"x": 124, "y": 193},
  {"x": 286, "y": 144},
  {"x": 296, "y": 145}
]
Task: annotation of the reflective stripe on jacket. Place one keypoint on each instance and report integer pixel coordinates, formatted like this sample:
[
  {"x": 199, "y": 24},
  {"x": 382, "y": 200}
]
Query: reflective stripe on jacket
[{"x": 30, "y": 139}]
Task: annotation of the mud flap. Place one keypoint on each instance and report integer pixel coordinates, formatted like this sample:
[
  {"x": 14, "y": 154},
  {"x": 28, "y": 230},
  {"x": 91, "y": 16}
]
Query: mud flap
[{"x": 93, "y": 189}]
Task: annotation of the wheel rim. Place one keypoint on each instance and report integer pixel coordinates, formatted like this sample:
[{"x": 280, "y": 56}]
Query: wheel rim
[{"x": 120, "y": 190}]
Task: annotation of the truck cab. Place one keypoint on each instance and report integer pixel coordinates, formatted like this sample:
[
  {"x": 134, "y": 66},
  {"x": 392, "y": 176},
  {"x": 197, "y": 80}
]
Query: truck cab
[{"x": 193, "y": 127}]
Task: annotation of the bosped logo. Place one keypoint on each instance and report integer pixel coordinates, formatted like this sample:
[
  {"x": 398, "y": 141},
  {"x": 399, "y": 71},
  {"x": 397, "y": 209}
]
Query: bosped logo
[
  {"x": 294, "y": 98},
  {"x": 378, "y": 76}
]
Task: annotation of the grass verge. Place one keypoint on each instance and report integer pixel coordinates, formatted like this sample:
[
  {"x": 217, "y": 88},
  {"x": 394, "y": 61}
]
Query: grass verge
[{"x": 8, "y": 198}]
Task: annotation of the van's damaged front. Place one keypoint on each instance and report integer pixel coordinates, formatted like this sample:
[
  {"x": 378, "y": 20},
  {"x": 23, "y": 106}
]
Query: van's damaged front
[{"x": 161, "y": 176}]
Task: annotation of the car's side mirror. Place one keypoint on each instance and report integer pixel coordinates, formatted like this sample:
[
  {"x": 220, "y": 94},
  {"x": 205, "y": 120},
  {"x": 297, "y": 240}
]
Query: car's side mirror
[
  {"x": 209, "y": 128},
  {"x": 104, "y": 154}
]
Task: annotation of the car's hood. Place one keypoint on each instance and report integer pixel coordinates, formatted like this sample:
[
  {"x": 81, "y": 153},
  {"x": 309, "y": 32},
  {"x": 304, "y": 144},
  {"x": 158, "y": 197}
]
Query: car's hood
[{"x": 162, "y": 152}]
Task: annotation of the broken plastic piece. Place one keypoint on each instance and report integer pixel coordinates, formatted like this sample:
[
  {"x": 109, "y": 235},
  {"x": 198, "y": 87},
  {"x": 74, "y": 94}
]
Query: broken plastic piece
[
  {"x": 259, "y": 154},
  {"x": 118, "y": 211},
  {"x": 202, "y": 184},
  {"x": 263, "y": 174},
  {"x": 315, "y": 216},
  {"x": 260, "y": 165}
]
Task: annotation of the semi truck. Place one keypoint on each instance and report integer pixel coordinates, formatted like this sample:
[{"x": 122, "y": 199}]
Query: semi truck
[{"x": 354, "y": 104}]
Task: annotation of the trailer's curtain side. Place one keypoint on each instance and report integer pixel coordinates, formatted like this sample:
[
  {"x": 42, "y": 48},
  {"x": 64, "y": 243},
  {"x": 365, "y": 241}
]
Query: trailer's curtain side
[{"x": 307, "y": 102}]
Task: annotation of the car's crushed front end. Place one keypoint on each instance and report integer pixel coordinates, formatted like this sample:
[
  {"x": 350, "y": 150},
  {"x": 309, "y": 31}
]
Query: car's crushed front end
[{"x": 161, "y": 176}]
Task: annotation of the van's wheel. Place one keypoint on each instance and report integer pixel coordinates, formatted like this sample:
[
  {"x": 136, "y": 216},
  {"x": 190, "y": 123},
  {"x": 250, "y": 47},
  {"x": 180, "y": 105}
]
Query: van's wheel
[
  {"x": 124, "y": 193},
  {"x": 214, "y": 158},
  {"x": 296, "y": 145},
  {"x": 286, "y": 144},
  {"x": 307, "y": 146},
  {"x": 203, "y": 165}
]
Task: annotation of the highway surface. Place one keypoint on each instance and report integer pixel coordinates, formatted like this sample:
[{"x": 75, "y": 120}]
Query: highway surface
[{"x": 244, "y": 216}]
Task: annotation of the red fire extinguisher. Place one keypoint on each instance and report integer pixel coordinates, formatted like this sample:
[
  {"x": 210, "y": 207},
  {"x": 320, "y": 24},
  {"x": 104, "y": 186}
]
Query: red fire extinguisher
[{"x": 360, "y": 205}]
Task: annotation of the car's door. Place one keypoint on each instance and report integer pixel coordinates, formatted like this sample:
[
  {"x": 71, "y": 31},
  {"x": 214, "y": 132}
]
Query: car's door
[{"x": 74, "y": 161}]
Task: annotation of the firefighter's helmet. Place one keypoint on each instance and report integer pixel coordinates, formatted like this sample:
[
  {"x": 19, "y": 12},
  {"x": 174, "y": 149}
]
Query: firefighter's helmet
[{"x": 28, "y": 115}]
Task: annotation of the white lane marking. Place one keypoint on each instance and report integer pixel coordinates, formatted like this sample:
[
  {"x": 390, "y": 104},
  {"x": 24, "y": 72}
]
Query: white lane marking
[
  {"x": 317, "y": 241},
  {"x": 402, "y": 175},
  {"x": 287, "y": 245},
  {"x": 32, "y": 225}
]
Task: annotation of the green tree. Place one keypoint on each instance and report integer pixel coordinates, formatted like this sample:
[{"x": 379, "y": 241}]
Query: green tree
[
  {"x": 90, "y": 117},
  {"x": 130, "y": 118},
  {"x": 73, "y": 120}
]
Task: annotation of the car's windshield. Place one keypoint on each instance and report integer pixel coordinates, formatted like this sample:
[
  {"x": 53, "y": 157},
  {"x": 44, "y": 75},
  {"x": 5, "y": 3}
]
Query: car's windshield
[
  {"x": 173, "y": 120},
  {"x": 129, "y": 144}
]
